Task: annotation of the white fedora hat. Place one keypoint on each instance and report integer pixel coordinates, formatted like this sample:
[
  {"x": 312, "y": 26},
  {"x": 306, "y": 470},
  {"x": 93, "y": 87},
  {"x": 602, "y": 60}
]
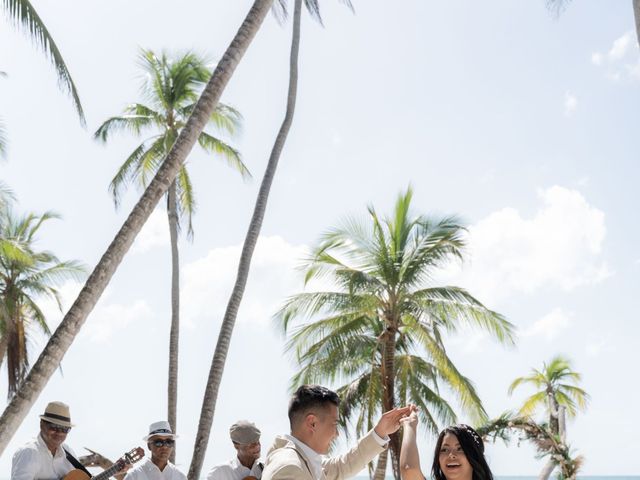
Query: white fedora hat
[
  {"x": 57, "y": 413},
  {"x": 160, "y": 429}
]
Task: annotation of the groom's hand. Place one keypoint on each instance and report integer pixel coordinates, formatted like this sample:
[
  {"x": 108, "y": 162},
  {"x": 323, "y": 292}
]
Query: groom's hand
[{"x": 390, "y": 421}]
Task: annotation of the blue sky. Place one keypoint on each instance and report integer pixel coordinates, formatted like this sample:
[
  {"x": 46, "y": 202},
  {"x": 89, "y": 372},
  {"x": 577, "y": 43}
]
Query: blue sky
[{"x": 521, "y": 123}]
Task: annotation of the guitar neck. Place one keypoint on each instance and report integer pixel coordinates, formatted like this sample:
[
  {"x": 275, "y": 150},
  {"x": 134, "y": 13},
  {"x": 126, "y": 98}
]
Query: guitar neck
[{"x": 112, "y": 470}]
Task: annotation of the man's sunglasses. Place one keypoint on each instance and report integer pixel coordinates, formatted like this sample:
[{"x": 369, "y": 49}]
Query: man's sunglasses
[
  {"x": 169, "y": 442},
  {"x": 57, "y": 428}
]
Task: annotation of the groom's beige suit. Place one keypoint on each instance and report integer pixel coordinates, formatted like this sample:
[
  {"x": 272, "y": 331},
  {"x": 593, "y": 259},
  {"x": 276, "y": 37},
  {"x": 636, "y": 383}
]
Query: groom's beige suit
[{"x": 286, "y": 461}]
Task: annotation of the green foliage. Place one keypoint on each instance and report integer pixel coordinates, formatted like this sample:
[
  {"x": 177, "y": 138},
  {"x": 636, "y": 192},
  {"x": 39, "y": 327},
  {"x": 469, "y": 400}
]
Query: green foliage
[
  {"x": 556, "y": 379},
  {"x": 547, "y": 443},
  {"x": 382, "y": 270},
  {"x": 26, "y": 276},
  {"x": 170, "y": 88},
  {"x": 22, "y": 13}
]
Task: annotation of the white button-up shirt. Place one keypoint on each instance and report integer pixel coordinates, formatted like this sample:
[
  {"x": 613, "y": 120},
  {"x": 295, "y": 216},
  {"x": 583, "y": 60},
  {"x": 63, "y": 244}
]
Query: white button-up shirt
[
  {"x": 234, "y": 470},
  {"x": 147, "y": 470},
  {"x": 34, "y": 461}
]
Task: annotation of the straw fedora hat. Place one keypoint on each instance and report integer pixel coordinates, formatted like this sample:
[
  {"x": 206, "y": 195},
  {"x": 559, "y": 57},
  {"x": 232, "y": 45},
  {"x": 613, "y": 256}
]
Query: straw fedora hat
[{"x": 57, "y": 413}]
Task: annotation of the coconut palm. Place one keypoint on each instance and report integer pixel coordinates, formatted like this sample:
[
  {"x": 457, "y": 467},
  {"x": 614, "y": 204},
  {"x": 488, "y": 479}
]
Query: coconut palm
[
  {"x": 21, "y": 12},
  {"x": 555, "y": 385},
  {"x": 27, "y": 276},
  {"x": 226, "y": 329},
  {"x": 95, "y": 285},
  {"x": 171, "y": 88},
  {"x": 385, "y": 322}
]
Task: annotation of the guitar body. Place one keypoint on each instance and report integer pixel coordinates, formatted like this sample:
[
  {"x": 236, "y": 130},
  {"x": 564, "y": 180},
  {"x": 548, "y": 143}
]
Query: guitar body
[
  {"x": 76, "y": 475},
  {"x": 127, "y": 459}
]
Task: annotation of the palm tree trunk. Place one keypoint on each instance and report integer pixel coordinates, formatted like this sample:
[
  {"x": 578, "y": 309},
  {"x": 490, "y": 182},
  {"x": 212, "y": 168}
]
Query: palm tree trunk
[
  {"x": 388, "y": 390},
  {"x": 636, "y": 14},
  {"x": 553, "y": 413},
  {"x": 381, "y": 466},
  {"x": 547, "y": 470},
  {"x": 174, "y": 335},
  {"x": 226, "y": 329},
  {"x": 64, "y": 335},
  {"x": 4, "y": 343}
]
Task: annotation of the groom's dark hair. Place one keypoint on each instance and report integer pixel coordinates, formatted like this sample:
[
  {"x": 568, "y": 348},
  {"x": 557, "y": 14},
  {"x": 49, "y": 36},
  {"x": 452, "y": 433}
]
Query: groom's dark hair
[{"x": 308, "y": 398}]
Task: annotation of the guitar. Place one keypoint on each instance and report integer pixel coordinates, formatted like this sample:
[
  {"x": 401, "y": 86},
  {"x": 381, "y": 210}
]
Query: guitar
[{"x": 127, "y": 459}]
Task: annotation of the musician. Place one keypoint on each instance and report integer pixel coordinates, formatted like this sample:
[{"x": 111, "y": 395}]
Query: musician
[
  {"x": 160, "y": 441},
  {"x": 245, "y": 437},
  {"x": 47, "y": 456}
]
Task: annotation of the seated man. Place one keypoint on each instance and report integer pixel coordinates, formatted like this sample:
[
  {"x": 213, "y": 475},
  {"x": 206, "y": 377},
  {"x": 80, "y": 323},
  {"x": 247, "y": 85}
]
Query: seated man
[
  {"x": 245, "y": 437},
  {"x": 160, "y": 442},
  {"x": 313, "y": 417},
  {"x": 47, "y": 456}
]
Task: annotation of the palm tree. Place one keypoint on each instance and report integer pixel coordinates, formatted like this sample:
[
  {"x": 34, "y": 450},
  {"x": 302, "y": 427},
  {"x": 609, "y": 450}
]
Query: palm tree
[
  {"x": 171, "y": 88},
  {"x": 228, "y": 322},
  {"x": 21, "y": 12},
  {"x": 383, "y": 323},
  {"x": 555, "y": 389},
  {"x": 26, "y": 276},
  {"x": 95, "y": 285}
]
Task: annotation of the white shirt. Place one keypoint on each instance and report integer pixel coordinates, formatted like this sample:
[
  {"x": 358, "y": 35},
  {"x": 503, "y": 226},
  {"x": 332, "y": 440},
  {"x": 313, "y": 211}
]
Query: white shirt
[
  {"x": 315, "y": 458},
  {"x": 147, "y": 470},
  {"x": 34, "y": 461},
  {"x": 234, "y": 470}
]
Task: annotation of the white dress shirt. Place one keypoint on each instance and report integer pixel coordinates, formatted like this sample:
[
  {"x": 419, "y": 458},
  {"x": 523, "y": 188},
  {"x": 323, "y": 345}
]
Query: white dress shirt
[
  {"x": 34, "y": 461},
  {"x": 147, "y": 470},
  {"x": 234, "y": 470}
]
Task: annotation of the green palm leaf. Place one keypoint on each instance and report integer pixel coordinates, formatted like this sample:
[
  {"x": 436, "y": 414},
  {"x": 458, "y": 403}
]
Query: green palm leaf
[{"x": 21, "y": 12}]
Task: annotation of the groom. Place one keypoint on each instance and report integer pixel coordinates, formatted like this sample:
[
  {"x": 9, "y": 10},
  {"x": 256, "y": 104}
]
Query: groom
[{"x": 313, "y": 416}]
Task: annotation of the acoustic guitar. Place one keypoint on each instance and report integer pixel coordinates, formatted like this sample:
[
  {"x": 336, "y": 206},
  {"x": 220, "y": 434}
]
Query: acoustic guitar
[{"x": 127, "y": 459}]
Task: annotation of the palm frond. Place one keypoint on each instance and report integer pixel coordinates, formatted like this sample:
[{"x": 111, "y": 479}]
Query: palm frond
[
  {"x": 224, "y": 150},
  {"x": 21, "y": 12}
]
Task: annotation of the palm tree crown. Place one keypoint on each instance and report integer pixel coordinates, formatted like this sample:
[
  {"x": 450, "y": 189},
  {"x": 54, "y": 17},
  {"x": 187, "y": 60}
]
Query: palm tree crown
[
  {"x": 26, "y": 275},
  {"x": 556, "y": 382},
  {"x": 171, "y": 88},
  {"x": 382, "y": 330}
]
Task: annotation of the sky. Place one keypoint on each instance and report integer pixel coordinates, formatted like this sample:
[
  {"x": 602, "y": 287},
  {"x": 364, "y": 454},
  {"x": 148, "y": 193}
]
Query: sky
[{"x": 522, "y": 123}]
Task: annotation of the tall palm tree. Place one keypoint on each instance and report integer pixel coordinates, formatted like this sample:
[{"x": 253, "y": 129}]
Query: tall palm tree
[
  {"x": 384, "y": 322},
  {"x": 95, "y": 285},
  {"x": 26, "y": 276},
  {"x": 21, "y": 12},
  {"x": 171, "y": 88},
  {"x": 218, "y": 361},
  {"x": 556, "y": 387}
]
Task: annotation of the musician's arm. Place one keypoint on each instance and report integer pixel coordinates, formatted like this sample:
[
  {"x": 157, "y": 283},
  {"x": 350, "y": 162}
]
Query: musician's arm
[{"x": 24, "y": 465}]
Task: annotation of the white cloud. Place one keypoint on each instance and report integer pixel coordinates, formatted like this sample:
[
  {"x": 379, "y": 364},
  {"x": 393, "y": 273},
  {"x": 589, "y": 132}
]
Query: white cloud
[
  {"x": 570, "y": 103},
  {"x": 103, "y": 322},
  {"x": 597, "y": 59},
  {"x": 550, "y": 325},
  {"x": 154, "y": 233},
  {"x": 560, "y": 246},
  {"x": 620, "y": 46},
  {"x": 621, "y": 59},
  {"x": 207, "y": 282}
]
